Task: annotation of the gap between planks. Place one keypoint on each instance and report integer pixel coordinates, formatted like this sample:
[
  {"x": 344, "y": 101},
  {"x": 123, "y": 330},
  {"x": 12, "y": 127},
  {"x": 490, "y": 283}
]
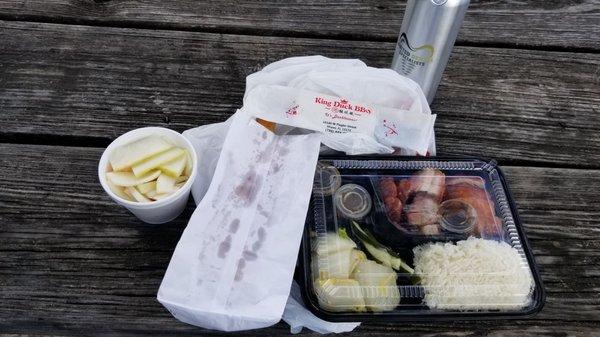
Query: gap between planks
[
  {"x": 103, "y": 142},
  {"x": 241, "y": 31}
]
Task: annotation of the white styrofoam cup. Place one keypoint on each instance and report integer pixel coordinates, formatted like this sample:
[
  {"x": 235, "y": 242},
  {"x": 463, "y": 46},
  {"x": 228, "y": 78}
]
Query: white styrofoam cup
[{"x": 162, "y": 210}]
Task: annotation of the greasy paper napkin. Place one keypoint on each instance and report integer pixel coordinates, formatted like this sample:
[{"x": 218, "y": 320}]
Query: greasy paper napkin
[{"x": 233, "y": 266}]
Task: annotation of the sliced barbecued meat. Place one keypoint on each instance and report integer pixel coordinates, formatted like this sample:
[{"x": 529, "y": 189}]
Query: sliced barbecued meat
[
  {"x": 423, "y": 210},
  {"x": 430, "y": 230},
  {"x": 430, "y": 181},
  {"x": 389, "y": 193},
  {"x": 472, "y": 191},
  {"x": 393, "y": 207},
  {"x": 403, "y": 188},
  {"x": 387, "y": 186}
]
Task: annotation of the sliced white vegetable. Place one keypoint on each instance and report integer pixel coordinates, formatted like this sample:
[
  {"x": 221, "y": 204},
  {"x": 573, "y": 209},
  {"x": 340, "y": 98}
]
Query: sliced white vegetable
[
  {"x": 339, "y": 295},
  {"x": 387, "y": 259},
  {"x": 188, "y": 164},
  {"x": 165, "y": 184},
  {"x": 129, "y": 179},
  {"x": 378, "y": 285},
  {"x": 335, "y": 265},
  {"x": 156, "y": 161},
  {"x": 119, "y": 191},
  {"x": 339, "y": 264},
  {"x": 181, "y": 179},
  {"x": 358, "y": 255},
  {"x": 151, "y": 194},
  {"x": 161, "y": 196},
  {"x": 146, "y": 187},
  {"x": 331, "y": 243},
  {"x": 137, "y": 195},
  {"x": 175, "y": 167},
  {"x": 130, "y": 154}
]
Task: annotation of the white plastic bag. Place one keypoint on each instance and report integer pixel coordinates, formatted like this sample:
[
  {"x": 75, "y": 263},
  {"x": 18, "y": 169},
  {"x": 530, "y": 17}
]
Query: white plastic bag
[
  {"x": 207, "y": 141},
  {"x": 286, "y": 70},
  {"x": 233, "y": 266}
]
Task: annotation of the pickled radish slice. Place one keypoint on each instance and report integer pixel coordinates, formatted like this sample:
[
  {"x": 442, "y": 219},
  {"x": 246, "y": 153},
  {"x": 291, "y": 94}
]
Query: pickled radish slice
[
  {"x": 156, "y": 161},
  {"x": 137, "y": 195},
  {"x": 165, "y": 184},
  {"x": 175, "y": 167},
  {"x": 188, "y": 164},
  {"x": 146, "y": 187},
  {"x": 148, "y": 169},
  {"x": 127, "y": 179},
  {"x": 119, "y": 191},
  {"x": 130, "y": 154}
]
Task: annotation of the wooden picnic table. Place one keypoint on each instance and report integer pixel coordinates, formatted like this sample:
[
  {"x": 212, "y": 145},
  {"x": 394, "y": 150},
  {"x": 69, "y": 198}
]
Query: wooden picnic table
[{"x": 522, "y": 86}]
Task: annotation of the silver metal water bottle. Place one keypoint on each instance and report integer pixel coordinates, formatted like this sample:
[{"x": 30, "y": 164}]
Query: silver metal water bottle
[{"x": 428, "y": 32}]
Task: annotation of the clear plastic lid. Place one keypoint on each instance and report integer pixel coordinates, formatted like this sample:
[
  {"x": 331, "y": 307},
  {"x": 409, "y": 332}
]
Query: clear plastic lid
[
  {"x": 352, "y": 201},
  {"x": 327, "y": 179},
  {"x": 413, "y": 238}
]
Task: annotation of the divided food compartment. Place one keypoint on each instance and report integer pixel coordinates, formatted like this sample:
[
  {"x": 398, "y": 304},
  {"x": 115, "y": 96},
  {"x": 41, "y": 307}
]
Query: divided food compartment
[{"x": 411, "y": 239}]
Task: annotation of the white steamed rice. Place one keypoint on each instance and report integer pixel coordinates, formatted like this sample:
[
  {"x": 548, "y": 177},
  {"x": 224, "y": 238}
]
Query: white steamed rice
[{"x": 473, "y": 274}]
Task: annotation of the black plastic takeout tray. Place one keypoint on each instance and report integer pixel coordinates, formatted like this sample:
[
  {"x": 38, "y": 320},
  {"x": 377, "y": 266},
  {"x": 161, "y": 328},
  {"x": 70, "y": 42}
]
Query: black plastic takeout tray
[{"x": 354, "y": 169}]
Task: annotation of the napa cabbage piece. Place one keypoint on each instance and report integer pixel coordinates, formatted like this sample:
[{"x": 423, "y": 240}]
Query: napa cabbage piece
[
  {"x": 345, "y": 280},
  {"x": 331, "y": 243},
  {"x": 339, "y": 295},
  {"x": 381, "y": 253},
  {"x": 335, "y": 265},
  {"x": 378, "y": 285},
  {"x": 335, "y": 256}
]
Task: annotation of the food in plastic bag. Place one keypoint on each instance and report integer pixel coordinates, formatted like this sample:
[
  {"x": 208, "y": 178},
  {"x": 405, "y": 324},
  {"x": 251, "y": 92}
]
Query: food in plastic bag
[{"x": 454, "y": 272}]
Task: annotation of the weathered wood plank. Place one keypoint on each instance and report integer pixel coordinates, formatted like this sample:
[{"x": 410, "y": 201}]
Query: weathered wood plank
[
  {"x": 528, "y": 23},
  {"x": 94, "y": 83},
  {"x": 73, "y": 262}
]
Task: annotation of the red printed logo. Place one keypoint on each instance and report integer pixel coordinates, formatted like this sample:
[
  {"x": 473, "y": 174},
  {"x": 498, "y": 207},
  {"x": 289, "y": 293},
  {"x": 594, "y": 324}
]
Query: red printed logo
[
  {"x": 390, "y": 128},
  {"x": 292, "y": 112},
  {"x": 342, "y": 105}
]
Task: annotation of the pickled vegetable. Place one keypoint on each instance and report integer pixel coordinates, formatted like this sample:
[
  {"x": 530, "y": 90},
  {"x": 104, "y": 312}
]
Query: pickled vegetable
[{"x": 381, "y": 253}]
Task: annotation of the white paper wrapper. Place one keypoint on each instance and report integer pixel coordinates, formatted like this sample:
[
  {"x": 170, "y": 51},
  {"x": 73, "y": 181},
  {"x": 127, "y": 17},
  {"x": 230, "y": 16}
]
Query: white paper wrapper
[
  {"x": 233, "y": 266},
  {"x": 351, "y": 126}
]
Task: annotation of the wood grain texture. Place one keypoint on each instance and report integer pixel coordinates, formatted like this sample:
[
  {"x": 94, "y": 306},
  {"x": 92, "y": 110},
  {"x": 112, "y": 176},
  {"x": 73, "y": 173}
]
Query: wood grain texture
[
  {"x": 72, "y": 262},
  {"x": 556, "y": 23},
  {"x": 90, "y": 84}
]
